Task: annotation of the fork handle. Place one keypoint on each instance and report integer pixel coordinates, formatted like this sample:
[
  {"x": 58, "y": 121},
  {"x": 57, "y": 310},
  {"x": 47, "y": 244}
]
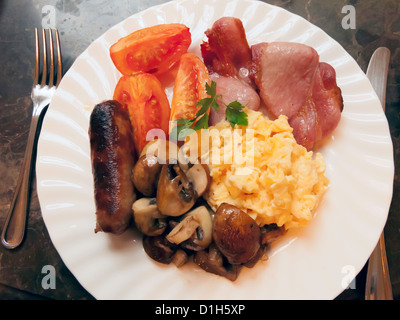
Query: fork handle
[{"x": 14, "y": 228}]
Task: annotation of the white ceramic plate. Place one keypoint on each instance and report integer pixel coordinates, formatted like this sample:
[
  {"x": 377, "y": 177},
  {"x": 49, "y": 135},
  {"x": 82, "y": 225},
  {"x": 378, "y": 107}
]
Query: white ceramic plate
[{"x": 315, "y": 262}]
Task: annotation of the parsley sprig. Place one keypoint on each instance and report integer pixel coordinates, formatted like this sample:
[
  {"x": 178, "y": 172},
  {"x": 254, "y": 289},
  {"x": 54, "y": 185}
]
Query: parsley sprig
[{"x": 234, "y": 114}]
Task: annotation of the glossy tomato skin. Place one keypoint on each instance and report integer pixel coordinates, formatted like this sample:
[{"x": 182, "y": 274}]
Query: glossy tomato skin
[
  {"x": 190, "y": 87},
  {"x": 147, "y": 104},
  {"x": 153, "y": 50}
]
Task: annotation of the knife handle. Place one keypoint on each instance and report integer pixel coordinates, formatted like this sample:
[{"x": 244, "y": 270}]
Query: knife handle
[{"x": 378, "y": 285}]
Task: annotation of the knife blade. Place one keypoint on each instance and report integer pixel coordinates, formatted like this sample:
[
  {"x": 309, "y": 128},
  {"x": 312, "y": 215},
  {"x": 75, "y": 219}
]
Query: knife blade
[
  {"x": 378, "y": 285},
  {"x": 377, "y": 72}
]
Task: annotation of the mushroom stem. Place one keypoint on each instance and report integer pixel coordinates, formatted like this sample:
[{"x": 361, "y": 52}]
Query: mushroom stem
[
  {"x": 180, "y": 258},
  {"x": 199, "y": 176},
  {"x": 194, "y": 232},
  {"x": 183, "y": 230}
]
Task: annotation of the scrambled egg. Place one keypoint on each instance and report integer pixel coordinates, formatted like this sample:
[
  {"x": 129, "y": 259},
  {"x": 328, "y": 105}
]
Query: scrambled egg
[{"x": 261, "y": 170}]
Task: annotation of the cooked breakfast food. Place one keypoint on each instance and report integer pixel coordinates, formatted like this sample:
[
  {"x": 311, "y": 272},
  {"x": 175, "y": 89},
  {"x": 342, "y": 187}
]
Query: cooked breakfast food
[
  {"x": 236, "y": 234},
  {"x": 233, "y": 166},
  {"x": 189, "y": 87},
  {"x": 289, "y": 77},
  {"x": 148, "y": 107},
  {"x": 227, "y": 51},
  {"x": 152, "y": 50},
  {"x": 263, "y": 172},
  {"x": 293, "y": 82},
  {"x": 113, "y": 158},
  {"x": 232, "y": 89}
]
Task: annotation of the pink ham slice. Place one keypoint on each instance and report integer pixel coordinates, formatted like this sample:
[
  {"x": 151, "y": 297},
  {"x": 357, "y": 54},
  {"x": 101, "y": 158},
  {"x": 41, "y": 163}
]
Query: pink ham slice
[
  {"x": 294, "y": 83},
  {"x": 232, "y": 89}
]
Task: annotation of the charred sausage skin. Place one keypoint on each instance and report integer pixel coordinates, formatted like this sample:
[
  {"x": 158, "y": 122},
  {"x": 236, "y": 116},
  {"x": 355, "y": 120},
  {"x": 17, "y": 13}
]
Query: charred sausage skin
[{"x": 113, "y": 158}]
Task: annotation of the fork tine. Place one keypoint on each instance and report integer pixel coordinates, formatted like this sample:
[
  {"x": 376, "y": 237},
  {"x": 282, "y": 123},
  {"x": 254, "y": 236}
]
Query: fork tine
[
  {"x": 36, "y": 76},
  {"x": 44, "y": 45},
  {"x": 51, "y": 79},
  {"x": 59, "y": 59}
]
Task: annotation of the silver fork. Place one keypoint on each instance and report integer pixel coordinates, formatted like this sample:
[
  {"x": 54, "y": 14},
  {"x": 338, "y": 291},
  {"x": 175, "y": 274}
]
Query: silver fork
[{"x": 14, "y": 228}]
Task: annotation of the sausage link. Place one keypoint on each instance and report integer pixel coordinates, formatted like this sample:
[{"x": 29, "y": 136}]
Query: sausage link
[{"x": 113, "y": 158}]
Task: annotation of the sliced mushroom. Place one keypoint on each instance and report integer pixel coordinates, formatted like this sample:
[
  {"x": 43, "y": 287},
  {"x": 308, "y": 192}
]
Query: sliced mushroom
[
  {"x": 185, "y": 161},
  {"x": 159, "y": 249},
  {"x": 194, "y": 232},
  {"x": 147, "y": 169},
  {"x": 271, "y": 232},
  {"x": 211, "y": 260},
  {"x": 148, "y": 218},
  {"x": 260, "y": 255},
  {"x": 175, "y": 193},
  {"x": 145, "y": 174},
  {"x": 180, "y": 258},
  {"x": 199, "y": 176},
  {"x": 165, "y": 150}
]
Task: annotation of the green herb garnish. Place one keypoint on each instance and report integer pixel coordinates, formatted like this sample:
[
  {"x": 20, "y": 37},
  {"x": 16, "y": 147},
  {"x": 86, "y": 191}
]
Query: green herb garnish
[{"x": 234, "y": 114}]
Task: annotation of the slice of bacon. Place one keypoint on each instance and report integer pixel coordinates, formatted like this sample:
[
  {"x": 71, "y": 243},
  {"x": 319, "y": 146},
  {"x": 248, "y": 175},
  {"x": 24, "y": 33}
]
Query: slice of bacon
[
  {"x": 305, "y": 125},
  {"x": 289, "y": 77},
  {"x": 284, "y": 73},
  {"x": 227, "y": 51},
  {"x": 294, "y": 83},
  {"x": 327, "y": 98}
]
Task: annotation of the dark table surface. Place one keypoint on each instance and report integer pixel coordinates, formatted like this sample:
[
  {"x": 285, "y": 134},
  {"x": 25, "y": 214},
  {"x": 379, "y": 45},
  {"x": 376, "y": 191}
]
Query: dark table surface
[{"x": 82, "y": 21}]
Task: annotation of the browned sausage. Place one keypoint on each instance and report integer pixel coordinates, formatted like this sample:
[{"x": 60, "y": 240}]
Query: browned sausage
[{"x": 113, "y": 158}]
